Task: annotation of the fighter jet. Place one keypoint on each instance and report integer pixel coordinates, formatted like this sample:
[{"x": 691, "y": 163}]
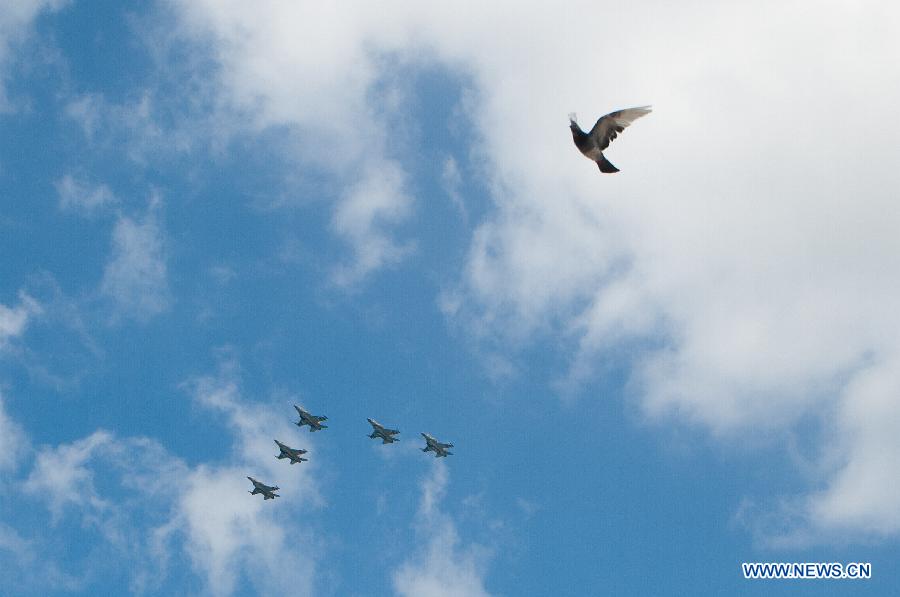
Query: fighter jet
[
  {"x": 378, "y": 430},
  {"x": 292, "y": 453},
  {"x": 268, "y": 492},
  {"x": 314, "y": 422},
  {"x": 433, "y": 445},
  {"x": 605, "y": 130}
]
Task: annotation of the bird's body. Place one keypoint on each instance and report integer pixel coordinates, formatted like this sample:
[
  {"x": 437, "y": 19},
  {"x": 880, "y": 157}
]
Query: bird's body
[{"x": 607, "y": 128}]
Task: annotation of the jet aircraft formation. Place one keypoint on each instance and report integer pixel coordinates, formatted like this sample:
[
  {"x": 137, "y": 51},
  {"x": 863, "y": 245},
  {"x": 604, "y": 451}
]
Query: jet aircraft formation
[{"x": 314, "y": 422}]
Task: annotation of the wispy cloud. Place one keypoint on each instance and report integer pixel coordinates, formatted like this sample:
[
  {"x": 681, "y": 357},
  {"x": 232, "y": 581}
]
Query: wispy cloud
[
  {"x": 26, "y": 570},
  {"x": 141, "y": 128},
  {"x": 451, "y": 179},
  {"x": 108, "y": 490},
  {"x": 135, "y": 276},
  {"x": 13, "y": 441},
  {"x": 61, "y": 475},
  {"x": 442, "y": 566},
  {"x": 14, "y": 320},
  {"x": 16, "y": 20},
  {"x": 45, "y": 308},
  {"x": 362, "y": 217},
  {"x": 76, "y": 193}
]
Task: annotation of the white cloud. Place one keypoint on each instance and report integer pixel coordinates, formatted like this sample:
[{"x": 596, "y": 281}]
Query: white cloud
[
  {"x": 77, "y": 194},
  {"x": 375, "y": 202},
  {"x": 11, "y": 540},
  {"x": 114, "y": 489},
  {"x": 861, "y": 494},
  {"x": 222, "y": 274},
  {"x": 13, "y": 441},
  {"x": 451, "y": 179},
  {"x": 87, "y": 111},
  {"x": 138, "y": 127},
  {"x": 323, "y": 102},
  {"x": 16, "y": 20},
  {"x": 135, "y": 277},
  {"x": 61, "y": 475},
  {"x": 14, "y": 320},
  {"x": 443, "y": 567},
  {"x": 27, "y": 571}
]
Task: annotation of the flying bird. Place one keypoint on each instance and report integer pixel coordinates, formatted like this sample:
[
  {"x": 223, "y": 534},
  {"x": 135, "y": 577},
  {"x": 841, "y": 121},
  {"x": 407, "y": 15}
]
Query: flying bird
[{"x": 605, "y": 130}]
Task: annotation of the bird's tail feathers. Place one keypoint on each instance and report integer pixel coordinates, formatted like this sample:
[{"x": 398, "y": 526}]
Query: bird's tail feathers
[{"x": 605, "y": 165}]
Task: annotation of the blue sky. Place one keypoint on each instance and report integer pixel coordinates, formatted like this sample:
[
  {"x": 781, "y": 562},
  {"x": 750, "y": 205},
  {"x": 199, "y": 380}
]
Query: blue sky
[{"x": 210, "y": 212}]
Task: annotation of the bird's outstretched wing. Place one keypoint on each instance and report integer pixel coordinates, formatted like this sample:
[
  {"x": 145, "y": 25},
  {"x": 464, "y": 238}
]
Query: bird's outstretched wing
[{"x": 608, "y": 127}]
